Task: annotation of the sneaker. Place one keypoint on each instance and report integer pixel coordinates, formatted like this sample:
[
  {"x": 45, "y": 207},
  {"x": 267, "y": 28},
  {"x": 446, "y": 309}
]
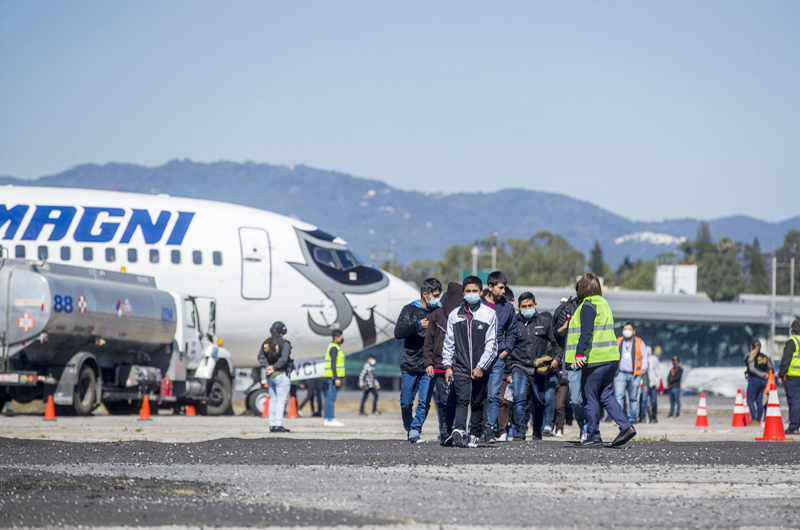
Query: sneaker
[
  {"x": 589, "y": 443},
  {"x": 503, "y": 437},
  {"x": 446, "y": 440},
  {"x": 559, "y": 433},
  {"x": 473, "y": 441},
  {"x": 624, "y": 437},
  {"x": 791, "y": 431},
  {"x": 488, "y": 437},
  {"x": 332, "y": 423},
  {"x": 416, "y": 440},
  {"x": 547, "y": 431},
  {"x": 279, "y": 428},
  {"x": 376, "y": 413},
  {"x": 518, "y": 438},
  {"x": 459, "y": 438}
]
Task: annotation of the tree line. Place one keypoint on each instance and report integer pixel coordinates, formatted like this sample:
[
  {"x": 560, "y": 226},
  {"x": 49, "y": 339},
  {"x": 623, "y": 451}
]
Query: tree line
[{"x": 725, "y": 268}]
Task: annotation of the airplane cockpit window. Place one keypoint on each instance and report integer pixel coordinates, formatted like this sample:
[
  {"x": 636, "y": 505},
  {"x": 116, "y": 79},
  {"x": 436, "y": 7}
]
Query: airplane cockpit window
[
  {"x": 132, "y": 255},
  {"x": 88, "y": 255},
  {"x": 197, "y": 257},
  {"x": 176, "y": 257},
  {"x": 217, "y": 258},
  {"x": 154, "y": 258},
  {"x": 19, "y": 251},
  {"x": 111, "y": 255},
  {"x": 66, "y": 254},
  {"x": 43, "y": 253},
  {"x": 324, "y": 256},
  {"x": 347, "y": 259}
]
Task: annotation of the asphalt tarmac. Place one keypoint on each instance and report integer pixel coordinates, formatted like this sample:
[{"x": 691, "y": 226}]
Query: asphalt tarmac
[{"x": 284, "y": 482}]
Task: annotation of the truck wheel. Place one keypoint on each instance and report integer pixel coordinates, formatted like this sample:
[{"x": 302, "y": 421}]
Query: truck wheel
[
  {"x": 122, "y": 408},
  {"x": 219, "y": 395},
  {"x": 256, "y": 400},
  {"x": 85, "y": 392}
]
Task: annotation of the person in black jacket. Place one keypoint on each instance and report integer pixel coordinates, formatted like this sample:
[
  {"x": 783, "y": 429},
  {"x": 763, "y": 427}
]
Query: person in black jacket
[
  {"x": 411, "y": 327},
  {"x": 674, "y": 385},
  {"x": 789, "y": 377},
  {"x": 758, "y": 368},
  {"x": 275, "y": 357},
  {"x": 535, "y": 357}
]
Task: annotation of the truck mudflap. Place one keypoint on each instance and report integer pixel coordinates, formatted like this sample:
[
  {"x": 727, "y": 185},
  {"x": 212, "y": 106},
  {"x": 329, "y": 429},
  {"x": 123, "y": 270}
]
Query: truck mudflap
[{"x": 65, "y": 391}]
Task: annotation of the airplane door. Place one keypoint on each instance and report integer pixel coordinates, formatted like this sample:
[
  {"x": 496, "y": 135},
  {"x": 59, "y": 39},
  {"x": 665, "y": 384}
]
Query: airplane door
[{"x": 256, "y": 264}]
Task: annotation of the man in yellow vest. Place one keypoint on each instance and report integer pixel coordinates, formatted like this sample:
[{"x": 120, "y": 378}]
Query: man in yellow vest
[
  {"x": 789, "y": 375},
  {"x": 592, "y": 348},
  {"x": 632, "y": 364},
  {"x": 334, "y": 373}
]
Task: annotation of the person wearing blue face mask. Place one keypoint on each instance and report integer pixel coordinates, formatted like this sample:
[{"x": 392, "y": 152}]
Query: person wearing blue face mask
[{"x": 533, "y": 366}]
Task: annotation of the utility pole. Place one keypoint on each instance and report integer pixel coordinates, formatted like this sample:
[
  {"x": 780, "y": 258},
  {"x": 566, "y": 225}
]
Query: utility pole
[
  {"x": 494, "y": 258},
  {"x": 475, "y": 253},
  {"x": 772, "y": 306},
  {"x": 791, "y": 291}
]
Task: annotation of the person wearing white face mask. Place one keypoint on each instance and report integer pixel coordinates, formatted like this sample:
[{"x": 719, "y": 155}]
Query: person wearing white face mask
[
  {"x": 370, "y": 385},
  {"x": 632, "y": 365}
]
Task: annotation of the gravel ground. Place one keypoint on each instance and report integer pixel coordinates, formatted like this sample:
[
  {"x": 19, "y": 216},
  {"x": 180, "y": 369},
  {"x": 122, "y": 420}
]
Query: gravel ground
[{"x": 283, "y": 482}]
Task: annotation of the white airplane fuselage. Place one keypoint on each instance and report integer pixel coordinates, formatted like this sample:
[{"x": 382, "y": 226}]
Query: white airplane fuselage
[{"x": 259, "y": 266}]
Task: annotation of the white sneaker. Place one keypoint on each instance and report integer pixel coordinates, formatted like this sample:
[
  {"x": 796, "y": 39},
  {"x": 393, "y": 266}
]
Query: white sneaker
[
  {"x": 503, "y": 437},
  {"x": 473, "y": 441},
  {"x": 459, "y": 438},
  {"x": 559, "y": 433},
  {"x": 332, "y": 423}
]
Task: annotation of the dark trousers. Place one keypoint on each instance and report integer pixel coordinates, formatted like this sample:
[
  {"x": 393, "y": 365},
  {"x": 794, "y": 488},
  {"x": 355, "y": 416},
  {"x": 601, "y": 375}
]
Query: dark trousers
[
  {"x": 598, "y": 389},
  {"x": 792, "y": 387},
  {"x": 445, "y": 404},
  {"x": 314, "y": 396},
  {"x": 367, "y": 392},
  {"x": 562, "y": 393},
  {"x": 470, "y": 392},
  {"x": 502, "y": 414}
]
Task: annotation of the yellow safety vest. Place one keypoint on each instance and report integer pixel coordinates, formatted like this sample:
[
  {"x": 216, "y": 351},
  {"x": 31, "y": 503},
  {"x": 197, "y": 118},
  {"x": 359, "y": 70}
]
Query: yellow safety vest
[
  {"x": 794, "y": 366},
  {"x": 339, "y": 362},
  {"x": 603, "y": 347}
]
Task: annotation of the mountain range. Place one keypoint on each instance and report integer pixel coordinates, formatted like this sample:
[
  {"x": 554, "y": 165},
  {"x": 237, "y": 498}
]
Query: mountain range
[{"x": 370, "y": 214}]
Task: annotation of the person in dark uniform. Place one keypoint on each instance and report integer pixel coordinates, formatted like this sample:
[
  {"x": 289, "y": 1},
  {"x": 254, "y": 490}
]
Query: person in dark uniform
[
  {"x": 758, "y": 368},
  {"x": 275, "y": 357}
]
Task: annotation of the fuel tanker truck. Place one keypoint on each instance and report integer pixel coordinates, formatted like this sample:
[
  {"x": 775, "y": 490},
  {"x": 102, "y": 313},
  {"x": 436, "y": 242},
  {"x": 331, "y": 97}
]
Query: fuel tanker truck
[{"x": 88, "y": 336}]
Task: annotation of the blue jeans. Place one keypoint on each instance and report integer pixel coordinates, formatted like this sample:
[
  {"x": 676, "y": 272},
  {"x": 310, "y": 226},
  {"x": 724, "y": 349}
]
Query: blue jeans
[
  {"x": 551, "y": 384},
  {"x": 330, "y": 399},
  {"x": 755, "y": 393},
  {"x": 650, "y": 395},
  {"x": 278, "y": 388},
  {"x": 493, "y": 398},
  {"x": 576, "y": 398},
  {"x": 415, "y": 384},
  {"x": 674, "y": 402},
  {"x": 628, "y": 385},
  {"x": 598, "y": 389},
  {"x": 537, "y": 384}
]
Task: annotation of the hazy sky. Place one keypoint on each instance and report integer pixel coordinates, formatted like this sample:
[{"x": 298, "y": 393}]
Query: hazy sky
[{"x": 650, "y": 109}]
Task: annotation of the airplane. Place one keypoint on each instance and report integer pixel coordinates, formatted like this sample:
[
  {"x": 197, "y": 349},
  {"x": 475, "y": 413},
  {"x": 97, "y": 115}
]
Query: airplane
[{"x": 259, "y": 266}]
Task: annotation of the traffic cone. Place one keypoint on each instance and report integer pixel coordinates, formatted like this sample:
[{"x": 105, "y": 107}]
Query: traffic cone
[
  {"x": 190, "y": 410},
  {"x": 50, "y": 411},
  {"x": 747, "y": 418},
  {"x": 144, "y": 414},
  {"x": 702, "y": 413},
  {"x": 773, "y": 422},
  {"x": 265, "y": 412},
  {"x": 293, "y": 407},
  {"x": 738, "y": 411}
]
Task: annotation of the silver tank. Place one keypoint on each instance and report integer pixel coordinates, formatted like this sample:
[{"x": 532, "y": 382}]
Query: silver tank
[{"x": 66, "y": 302}]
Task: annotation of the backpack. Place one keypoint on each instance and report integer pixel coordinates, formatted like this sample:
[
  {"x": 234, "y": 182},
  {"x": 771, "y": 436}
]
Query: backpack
[{"x": 564, "y": 310}]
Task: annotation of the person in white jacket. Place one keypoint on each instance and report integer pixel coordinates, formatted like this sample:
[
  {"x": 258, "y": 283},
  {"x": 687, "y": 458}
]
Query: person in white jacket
[
  {"x": 470, "y": 348},
  {"x": 651, "y": 387}
]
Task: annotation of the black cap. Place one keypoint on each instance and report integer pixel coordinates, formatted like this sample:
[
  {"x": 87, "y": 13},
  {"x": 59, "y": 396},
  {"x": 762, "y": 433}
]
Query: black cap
[{"x": 278, "y": 328}]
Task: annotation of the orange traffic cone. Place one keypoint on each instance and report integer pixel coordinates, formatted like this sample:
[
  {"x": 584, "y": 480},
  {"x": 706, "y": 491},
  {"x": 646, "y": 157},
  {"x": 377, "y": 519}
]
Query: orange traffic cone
[
  {"x": 738, "y": 411},
  {"x": 144, "y": 414},
  {"x": 747, "y": 418},
  {"x": 50, "y": 411},
  {"x": 702, "y": 413},
  {"x": 190, "y": 410},
  {"x": 293, "y": 407},
  {"x": 265, "y": 412},
  {"x": 773, "y": 423}
]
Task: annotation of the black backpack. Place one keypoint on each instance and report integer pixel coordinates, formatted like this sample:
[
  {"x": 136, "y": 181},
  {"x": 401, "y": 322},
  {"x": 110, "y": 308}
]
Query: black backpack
[{"x": 564, "y": 310}]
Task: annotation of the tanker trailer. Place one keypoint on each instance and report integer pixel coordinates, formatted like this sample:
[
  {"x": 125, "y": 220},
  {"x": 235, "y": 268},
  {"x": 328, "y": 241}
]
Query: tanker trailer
[{"x": 88, "y": 336}]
